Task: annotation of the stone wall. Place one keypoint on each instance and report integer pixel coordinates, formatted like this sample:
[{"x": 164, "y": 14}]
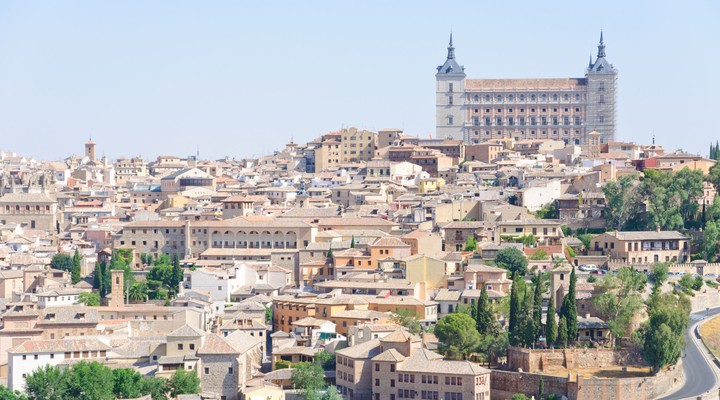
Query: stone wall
[
  {"x": 505, "y": 383},
  {"x": 551, "y": 360}
]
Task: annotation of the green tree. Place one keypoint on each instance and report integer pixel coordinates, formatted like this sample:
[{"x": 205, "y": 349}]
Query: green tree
[
  {"x": 495, "y": 346},
  {"x": 541, "y": 389},
  {"x": 549, "y": 211},
  {"x": 708, "y": 244},
  {"x": 62, "y": 262},
  {"x": 519, "y": 396},
  {"x": 331, "y": 393},
  {"x": 127, "y": 383},
  {"x": 551, "y": 329},
  {"x": 183, "y": 382},
  {"x": 46, "y": 383},
  {"x": 525, "y": 329},
  {"x": 562, "y": 332},
  {"x": 686, "y": 282},
  {"x": 457, "y": 334},
  {"x": 485, "y": 321},
  {"x": 76, "y": 263},
  {"x": 89, "y": 299},
  {"x": 138, "y": 291},
  {"x": 569, "y": 309},
  {"x": 659, "y": 274},
  {"x": 352, "y": 242},
  {"x": 325, "y": 359},
  {"x": 155, "y": 386},
  {"x": 308, "y": 376},
  {"x": 512, "y": 259},
  {"x": 176, "y": 275},
  {"x": 714, "y": 175},
  {"x": 90, "y": 381},
  {"x": 622, "y": 199},
  {"x": 268, "y": 315},
  {"x": 408, "y": 319},
  {"x": 7, "y": 394},
  {"x": 518, "y": 286},
  {"x": 662, "y": 347},
  {"x": 470, "y": 243},
  {"x": 97, "y": 277},
  {"x": 619, "y": 299},
  {"x": 537, "y": 308},
  {"x": 540, "y": 254},
  {"x": 663, "y": 337}
]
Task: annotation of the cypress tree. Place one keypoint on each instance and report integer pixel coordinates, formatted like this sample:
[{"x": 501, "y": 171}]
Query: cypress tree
[
  {"x": 537, "y": 307},
  {"x": 528, "y": 325},
  {"x": 352, "y": 242},
  {"x": 97, "y": 277},
  {"x": 514, "y": 307},
  {"x": 541, "y": 389},
  {"x": 485, "y": 319},
  {"x": 551, "y": 329},
  {"x": 562, "y": 332},
  {"x": 569, "y": 309},
  {"x": 75, "y": 272},
  {"x": 473, "y": 310}
]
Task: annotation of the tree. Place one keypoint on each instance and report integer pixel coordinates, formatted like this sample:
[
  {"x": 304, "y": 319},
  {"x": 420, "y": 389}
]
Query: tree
[
  {"x": 457, "y": 334},
  {"x": 46, "y": 383},
  {"x": 539, "y": 254},
  {"x": 537, "y": 308},
  {"x": 512, "y": 259},
  {"x": 659, "y": 274},
  {"x": 622, "y": 199},
  {"x": 331, "y": 393},
  {"x": 541, "y": 388},
  {"x": 307, "y": 376},
  {"x": 551, "y": 329},
  {"x": 62, "y": 262},
  {"x": 549, "y": 211},
  {"x": 90, "y": 381},
  {"x": 619, "y": 299},
  {"x": 352, "y": 242},
  {"x": 407, "y": 318},
  {"x": 325, "y": 360},
  {"x": 183, "y": 382},
  {"x": 569, "y": 309},
  {"x": 176, "y": 275},
  {"x": 470, "y": 243},
  {"x": 7, "y": 394},
  {"x": 89, "y": 299},
  {"x": 525, "y": 328},
  {"x": 562, "y": 332},
  {"x": 127, "y": 383},
  {"x": 686, "y": 282},
  {"x": 495, "y": 346},
  {"x": 268, "y": 315},
  {"x": 330, "y": 254},
  {"x": 138, "y": 292},
  {"x": 76, "y": 263},
  {"x": 515, "y": 304},
  {"x": 485, "y": 321},
  {"x": 155, "y": 386},
  {"x": 97, "y": 277},
  {"x": 519, "y": 396},
  {"x": 663, "y": 338},
  {"x": 710, "y": 237}
]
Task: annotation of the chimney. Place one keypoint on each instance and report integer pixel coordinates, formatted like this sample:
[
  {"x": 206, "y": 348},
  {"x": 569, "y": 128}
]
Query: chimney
[{"x": 587, "y": 316}]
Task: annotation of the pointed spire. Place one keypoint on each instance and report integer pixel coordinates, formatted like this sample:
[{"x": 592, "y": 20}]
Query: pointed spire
[
  {"x": 451, "y": 49},
  {"x": 601, "y": 46},
  {"x": 591, "y": 63}
]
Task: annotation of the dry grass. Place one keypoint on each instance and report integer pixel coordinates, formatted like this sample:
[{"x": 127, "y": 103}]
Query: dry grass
[
  {"x": 609, "y": 372},
  {"x": 710, "y": 332}
]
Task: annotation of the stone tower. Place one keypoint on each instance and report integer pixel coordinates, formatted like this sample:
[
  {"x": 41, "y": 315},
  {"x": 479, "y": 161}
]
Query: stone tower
[
  {"x": 450, "y": 98},
  {"x": 601, "y": 97},
  {"x": 90, "y": 150},
  {"x": 117, "y": 288}
]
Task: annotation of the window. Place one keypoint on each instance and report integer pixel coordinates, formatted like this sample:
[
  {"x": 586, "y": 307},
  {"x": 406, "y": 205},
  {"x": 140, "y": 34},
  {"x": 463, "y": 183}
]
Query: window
[
  {"x": 450, "y": 87},
  {"x": 450, "y": 119},
  {"x": 192, "y": 346},
  {"x": 207, "y": 371},
  {"x": 377, "y": 382},
  {"x": 450, "y": 100},
  {"x": 180, "y": 346},
  {"x": 377, "y": 367},
  {"x": 230, "y": 370}
]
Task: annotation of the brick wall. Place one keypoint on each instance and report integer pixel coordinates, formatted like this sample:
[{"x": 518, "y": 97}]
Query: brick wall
[{"x": 551, "y": 360}]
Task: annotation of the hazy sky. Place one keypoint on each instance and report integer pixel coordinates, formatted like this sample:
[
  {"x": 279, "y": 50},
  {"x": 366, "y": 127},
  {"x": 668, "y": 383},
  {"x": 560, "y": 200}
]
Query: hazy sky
[{"x": 240, "y": 78}]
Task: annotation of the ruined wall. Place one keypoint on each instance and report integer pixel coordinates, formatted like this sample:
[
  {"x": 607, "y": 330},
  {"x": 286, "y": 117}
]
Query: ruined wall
[{"x": 551, "y": 360}]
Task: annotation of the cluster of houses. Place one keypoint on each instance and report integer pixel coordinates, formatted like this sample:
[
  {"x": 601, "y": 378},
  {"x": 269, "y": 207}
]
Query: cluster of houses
[{"x": 314, "y": 248}]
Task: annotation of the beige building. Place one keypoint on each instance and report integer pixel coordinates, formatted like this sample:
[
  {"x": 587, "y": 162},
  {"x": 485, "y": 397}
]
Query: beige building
[
  {"x": 357, "y": 145},
  {"x": 398, "y": 367},
  {"x": 32, "y": 210},
  {"x": 643, "y": 247},
  {"x": 127, "y": 168}
]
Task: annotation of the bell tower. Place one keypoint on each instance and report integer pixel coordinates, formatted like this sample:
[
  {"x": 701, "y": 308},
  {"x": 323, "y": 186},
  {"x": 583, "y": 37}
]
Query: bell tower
[
  {"x": 117, "y": 287},
  {"x": 90, "y": 150},
  {"x": 450, "y": 97}
]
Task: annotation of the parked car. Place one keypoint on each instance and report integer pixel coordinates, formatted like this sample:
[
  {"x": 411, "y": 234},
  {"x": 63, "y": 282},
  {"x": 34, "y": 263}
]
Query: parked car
[{"x": 588, "y": 268}]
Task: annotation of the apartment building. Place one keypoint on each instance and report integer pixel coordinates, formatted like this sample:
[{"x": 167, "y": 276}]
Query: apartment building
[
  {"x": 643, "y": 247},
  {"x": 32, "y": 210},
  {"x": 357, "y": 145},
  {"x": 396, "y": 367}
]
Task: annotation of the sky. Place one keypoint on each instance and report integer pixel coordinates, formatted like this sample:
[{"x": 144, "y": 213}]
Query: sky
[{"x": 240, "y": 79}]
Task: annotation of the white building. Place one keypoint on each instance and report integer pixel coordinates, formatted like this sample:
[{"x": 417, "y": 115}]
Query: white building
[
  {"x": 58, "y": 297},
  {"x": 34, "y": 354}
]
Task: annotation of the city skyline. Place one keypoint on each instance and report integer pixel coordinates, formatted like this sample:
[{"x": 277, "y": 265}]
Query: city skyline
[{"x": 241, "y": 81}]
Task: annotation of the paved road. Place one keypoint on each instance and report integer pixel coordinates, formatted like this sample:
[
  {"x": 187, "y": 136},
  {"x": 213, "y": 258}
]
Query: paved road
[{"x": 699, "y": 373}]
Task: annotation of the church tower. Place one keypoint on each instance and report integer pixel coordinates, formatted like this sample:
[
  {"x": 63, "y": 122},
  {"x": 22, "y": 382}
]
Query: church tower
[
  {"x": 601, "y": 99},
  {"x": 450, "y": 98},
  {"x": 90, "y": 150},
  {"x": 117, "y": 288}
]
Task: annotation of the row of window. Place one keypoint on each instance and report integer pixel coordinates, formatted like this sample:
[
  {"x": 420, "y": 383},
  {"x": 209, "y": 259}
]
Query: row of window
[
  {"x": 532, "y": 132},
  {"x": 27, "y": 208},
  {"x": 511, "y": 97},
  {"x": 521, "y": 121},
  {"x": 532, "y": 110}
]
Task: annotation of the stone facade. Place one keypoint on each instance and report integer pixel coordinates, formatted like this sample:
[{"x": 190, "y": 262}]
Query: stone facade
[{"x": 558, "y": 359}]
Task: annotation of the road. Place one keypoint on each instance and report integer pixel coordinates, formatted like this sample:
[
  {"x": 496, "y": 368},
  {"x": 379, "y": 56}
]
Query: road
[{"x": 698, "y": 370}]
